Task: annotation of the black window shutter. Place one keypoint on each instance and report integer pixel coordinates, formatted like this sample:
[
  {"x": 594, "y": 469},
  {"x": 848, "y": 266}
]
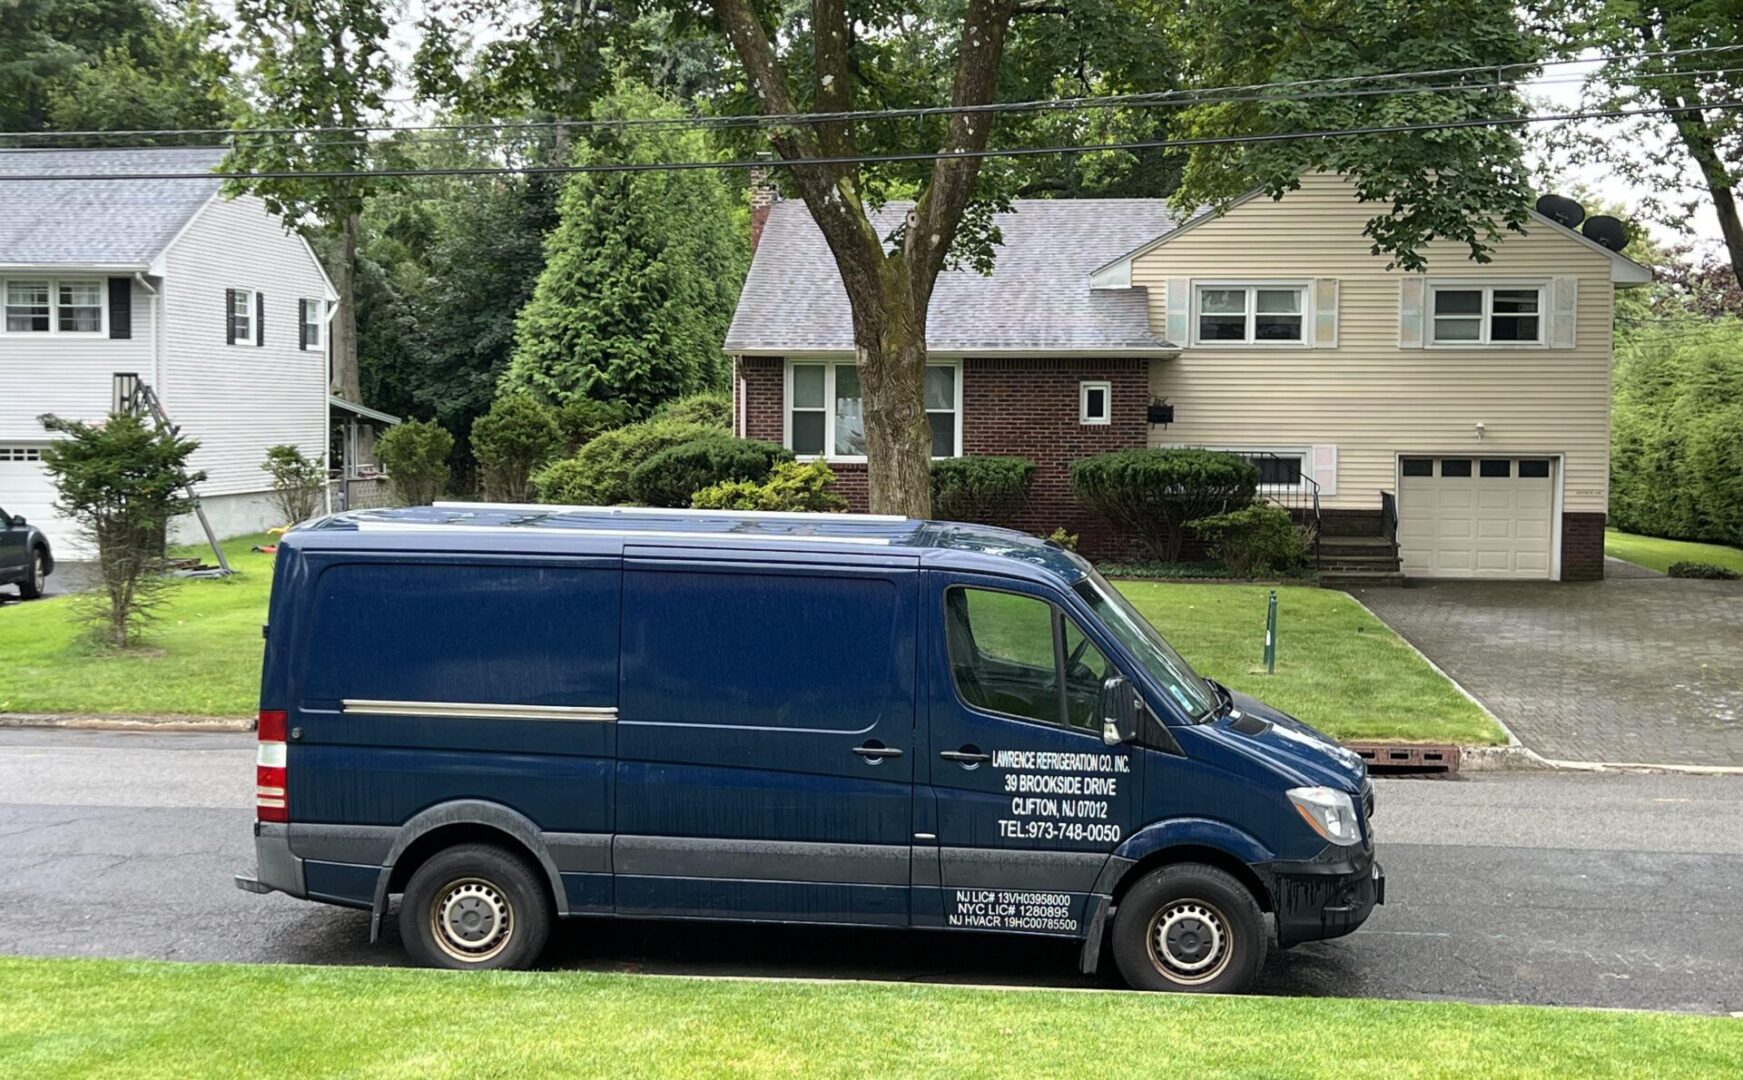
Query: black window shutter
[
  {"x": 229, "y": 316},
  {"x": 259, "y": 319},
  {"x": 302, "y": 324},
  {"x": 120, "y": 307}
]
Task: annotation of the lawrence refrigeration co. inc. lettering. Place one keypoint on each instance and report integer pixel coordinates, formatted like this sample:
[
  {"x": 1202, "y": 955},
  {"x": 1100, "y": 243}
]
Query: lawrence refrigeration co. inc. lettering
[{"x": 1061, "y": 796}]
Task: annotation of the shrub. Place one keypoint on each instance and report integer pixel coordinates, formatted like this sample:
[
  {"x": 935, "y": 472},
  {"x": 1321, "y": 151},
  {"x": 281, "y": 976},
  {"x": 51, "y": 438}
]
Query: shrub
[
  {"x": 1152, "y": 494},
  {"x": 120, "y": 482},
  {"x": 673, "y": 475},
  {"x": 710, "y": 407},
  {"x": 298, "y": 482},
  {"x": 984, "y": 489},
  {"x": 515, "y": 437},
  {"x": 791, "y": 486},
  {"x": 599, "y": 474},
  {"x": 582, "y": 420},
  {"x": 1685, "y": 569},
  {"x": 416, "y": 456},
  {"x": 1254, "y": 540},
  {"x": 1066, "y": 540}
]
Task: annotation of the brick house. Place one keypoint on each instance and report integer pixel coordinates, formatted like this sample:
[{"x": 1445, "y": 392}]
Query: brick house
[{"x": 1447, "y": 424}]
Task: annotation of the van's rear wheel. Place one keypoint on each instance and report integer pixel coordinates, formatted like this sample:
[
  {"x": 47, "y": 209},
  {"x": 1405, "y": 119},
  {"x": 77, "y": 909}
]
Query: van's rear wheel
[
  {"x": 1192, "y": 928},
  {"x": 475, "y": 906},
  {"x": 36, "y": 580}
]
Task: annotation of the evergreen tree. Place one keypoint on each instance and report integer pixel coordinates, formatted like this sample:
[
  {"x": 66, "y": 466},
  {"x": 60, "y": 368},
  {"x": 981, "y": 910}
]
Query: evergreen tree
[{"x": 641, "y": 273}]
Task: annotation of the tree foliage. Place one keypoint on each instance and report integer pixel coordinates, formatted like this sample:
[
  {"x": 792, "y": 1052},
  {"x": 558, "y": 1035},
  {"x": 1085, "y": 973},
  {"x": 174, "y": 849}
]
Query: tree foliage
[
  {"x": 710, "y": 407},
  {"x": 120, "y": 482},
  {"x": 514, "y": 438},
  {"x": 416, "y": 455},
  {"x": 1152, "y": 494},
  {"x": 298, "y": 482},
  {"x": 641, "y": 274}
]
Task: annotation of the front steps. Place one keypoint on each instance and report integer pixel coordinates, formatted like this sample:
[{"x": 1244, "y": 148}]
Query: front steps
[{"x": 1349, "y": 562}]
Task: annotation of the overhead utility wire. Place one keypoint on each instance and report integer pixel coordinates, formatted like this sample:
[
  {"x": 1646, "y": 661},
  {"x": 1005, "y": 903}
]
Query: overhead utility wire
[
  {"x": 785, "y": 119},
  {"x": 1010, "y": 152}
]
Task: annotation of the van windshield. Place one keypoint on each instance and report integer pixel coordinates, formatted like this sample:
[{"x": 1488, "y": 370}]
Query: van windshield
[{"x": 1166, "y": 666}]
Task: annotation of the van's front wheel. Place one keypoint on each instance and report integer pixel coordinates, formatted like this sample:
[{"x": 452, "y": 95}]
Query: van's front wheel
[
  {"x": 472, "y": 907},
  {"x": 1192, "y": 928}
]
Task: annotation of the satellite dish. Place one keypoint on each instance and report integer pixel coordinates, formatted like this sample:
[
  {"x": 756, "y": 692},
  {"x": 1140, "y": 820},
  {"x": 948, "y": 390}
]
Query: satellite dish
[
  {"x": 1606, "y": 232},
  {"x": 1561, "y": 210}
]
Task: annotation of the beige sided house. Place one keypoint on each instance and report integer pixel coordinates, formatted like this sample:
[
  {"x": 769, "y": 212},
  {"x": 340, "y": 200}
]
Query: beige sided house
[{"x": 1453, "y": 423}]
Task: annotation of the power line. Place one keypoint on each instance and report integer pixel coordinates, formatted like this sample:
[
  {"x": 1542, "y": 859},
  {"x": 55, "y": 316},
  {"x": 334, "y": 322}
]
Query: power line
[
  {"x": 1189, "y": 96},
  {"x": 1011, "y": 152}
]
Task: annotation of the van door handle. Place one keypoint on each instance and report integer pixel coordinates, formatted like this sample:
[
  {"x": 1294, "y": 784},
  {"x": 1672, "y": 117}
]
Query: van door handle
[
  {"x": 965, "y": 757},
  {"x": 873, "y": 753}
]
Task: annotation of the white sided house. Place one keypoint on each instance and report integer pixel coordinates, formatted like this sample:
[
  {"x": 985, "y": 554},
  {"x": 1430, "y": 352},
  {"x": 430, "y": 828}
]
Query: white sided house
[{"x": 107, "y": 280}]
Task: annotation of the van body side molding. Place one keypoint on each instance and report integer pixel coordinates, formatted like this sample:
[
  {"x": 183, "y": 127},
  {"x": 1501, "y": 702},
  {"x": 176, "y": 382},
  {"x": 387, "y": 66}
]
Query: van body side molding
[{"x": 472, "y": 710}]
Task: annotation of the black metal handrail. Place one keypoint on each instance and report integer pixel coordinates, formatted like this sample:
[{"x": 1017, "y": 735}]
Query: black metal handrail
[
  {"x": 1389, "y": 516},
  {"x": 1290, "y": 488}
]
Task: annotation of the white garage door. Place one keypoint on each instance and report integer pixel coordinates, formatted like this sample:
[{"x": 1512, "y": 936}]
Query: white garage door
[
  {"x": 25, "y": 489},
  {"x": 1466, "y": 517}
]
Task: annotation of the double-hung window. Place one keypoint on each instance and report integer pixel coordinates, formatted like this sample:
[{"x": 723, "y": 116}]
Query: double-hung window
[
  {"x": 312, "y": 311},
  {"x": 55, "y": 306},
  {"x": 826, "y": 410},
  {"x": 1251, "y": 314},
  {"x": 241, "y": 316},
  {"x": 1487, "y": 315}
]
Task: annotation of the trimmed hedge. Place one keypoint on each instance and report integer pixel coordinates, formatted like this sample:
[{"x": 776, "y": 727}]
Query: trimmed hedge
[
  {"x": 1152, "y": 494},
  {"x": 518, "y": 434},
  {"x": 1709, "y": 571},
  {"x": 599, "y": 474},
  {"x": 581, "y": 420},
  {"x": 711, "y": 408},
  {"x": 416, "y": 456},
  {"x": 1255, "y": 540},
  {"x": 791, "y": 486},
  {"x": 672, "y": 476},
  {"x": 989, "y": 490}
]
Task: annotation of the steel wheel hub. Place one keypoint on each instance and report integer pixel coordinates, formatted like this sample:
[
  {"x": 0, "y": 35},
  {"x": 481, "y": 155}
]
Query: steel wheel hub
[
  {"x": 1189, "y": 942},
  {"x": 472, "y": 920}
]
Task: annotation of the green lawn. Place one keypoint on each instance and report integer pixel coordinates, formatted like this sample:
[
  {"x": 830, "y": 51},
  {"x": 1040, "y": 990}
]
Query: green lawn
[
  {"x": 85, "y": 1017},
  {"x": 1338, "y": 667},
  {"x": 1656, "y": 553},
  {"x": 201, "y": 659}
]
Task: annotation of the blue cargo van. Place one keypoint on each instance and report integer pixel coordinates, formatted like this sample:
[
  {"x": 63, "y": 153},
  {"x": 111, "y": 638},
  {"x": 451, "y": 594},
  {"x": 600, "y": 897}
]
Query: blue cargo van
[{"x": 510, "y": 714}]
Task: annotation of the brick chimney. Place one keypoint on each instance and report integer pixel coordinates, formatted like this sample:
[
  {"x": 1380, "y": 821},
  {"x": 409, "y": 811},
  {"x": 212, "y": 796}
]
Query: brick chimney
[{"x": 764, "y": 193}]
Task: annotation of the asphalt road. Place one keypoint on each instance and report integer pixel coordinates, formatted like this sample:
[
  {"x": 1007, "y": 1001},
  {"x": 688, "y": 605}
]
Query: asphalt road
[{"x": 1623, "y": 891}]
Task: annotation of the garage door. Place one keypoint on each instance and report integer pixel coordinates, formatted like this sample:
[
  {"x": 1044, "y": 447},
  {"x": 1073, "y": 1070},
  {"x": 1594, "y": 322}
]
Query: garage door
[
  {"x": 1467, "y": 517},
  {"x": 25, "y": 489}
]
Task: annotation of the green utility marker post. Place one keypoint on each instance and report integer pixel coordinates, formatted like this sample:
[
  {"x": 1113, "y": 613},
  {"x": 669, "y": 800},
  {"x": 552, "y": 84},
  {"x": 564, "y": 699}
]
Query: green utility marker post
[{"x": 1271, "y": 635}]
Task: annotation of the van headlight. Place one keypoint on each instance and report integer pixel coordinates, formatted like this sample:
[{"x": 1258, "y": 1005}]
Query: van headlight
[{"x": 1331, "y": 813}]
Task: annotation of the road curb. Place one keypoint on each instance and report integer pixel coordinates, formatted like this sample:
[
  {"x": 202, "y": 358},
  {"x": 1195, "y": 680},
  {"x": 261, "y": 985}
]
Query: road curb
[
  {"x": 1524, "y": 759},
  {"x": 124, "y": 723}
]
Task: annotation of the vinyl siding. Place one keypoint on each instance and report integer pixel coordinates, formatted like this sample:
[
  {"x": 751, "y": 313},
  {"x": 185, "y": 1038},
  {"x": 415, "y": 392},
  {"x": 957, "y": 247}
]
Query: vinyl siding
[
  {"x": 1368, "y": 396},
  {"x": 237, "y": 400},
  {"x": 69, "y": 375}
]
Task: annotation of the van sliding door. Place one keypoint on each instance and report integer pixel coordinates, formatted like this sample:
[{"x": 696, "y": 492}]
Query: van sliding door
[{"x": 766, "y": 739}]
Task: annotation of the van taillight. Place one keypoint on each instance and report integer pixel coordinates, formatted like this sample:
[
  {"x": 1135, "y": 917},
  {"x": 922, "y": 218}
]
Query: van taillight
[{"x": 269, "y": 796}]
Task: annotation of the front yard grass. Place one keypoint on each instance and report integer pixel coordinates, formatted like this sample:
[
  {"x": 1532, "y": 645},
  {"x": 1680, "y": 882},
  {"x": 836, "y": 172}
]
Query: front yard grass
[
  {"x": 104, "y": 1017},
  {"x": 1338, "y": 668},
  {"x": 1657, "y": 553},
  {"x": 202, "y": 658}
]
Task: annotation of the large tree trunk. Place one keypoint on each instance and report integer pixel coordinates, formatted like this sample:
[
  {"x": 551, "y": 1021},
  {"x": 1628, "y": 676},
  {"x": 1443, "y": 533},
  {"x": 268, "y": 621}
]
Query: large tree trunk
[
  {"x": 346, "y": 380},
  {"x": 891, "y": 357},
  {"x": 1698, "y": 138}
]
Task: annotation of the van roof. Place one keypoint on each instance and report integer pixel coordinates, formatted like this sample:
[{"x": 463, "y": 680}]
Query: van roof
[{"x": 547, "y": 529}]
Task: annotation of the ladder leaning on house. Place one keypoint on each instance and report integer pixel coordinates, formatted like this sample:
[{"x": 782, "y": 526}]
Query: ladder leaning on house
[{"x": 133, "y": 394}]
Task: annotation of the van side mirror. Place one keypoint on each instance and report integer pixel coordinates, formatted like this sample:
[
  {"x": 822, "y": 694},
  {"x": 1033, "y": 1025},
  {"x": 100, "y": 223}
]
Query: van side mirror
[
  {"x": 1119, "y": 711},
  {"x": 19, "y": 520}
]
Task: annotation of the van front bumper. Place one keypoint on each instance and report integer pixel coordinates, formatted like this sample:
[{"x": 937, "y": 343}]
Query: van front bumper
[
  {"x": 1327, "y": 896},
  {"x": 276, "y": 869}
]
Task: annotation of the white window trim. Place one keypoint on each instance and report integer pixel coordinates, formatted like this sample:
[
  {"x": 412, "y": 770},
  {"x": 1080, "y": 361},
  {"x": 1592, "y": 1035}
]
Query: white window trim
[
  {"x": 54, "y": 307},
  {"x": 828, "y": 409},
  {"x": 315, "y": 309},
  {"x": 1487, "y": 289},
  {"x": 252, "y": 306},
  {"x": 1303, "y": 286},
  {"x": 1107, "y": 401}
]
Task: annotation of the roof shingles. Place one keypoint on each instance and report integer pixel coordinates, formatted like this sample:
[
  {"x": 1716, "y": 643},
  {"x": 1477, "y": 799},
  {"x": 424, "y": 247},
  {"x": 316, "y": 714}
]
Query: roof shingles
[
  {"x": 98, "y": 223},
  {"x": 1037, "y": 298}
]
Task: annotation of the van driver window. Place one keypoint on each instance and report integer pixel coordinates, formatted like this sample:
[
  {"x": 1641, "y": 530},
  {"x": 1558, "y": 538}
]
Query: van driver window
[{"x": 1003, "y": 654}]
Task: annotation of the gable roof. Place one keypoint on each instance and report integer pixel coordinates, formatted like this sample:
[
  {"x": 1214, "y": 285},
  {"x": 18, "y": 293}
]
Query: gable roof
[
  {"x": 1037, "y": 300},
  {"x": 96, "y": 223}
]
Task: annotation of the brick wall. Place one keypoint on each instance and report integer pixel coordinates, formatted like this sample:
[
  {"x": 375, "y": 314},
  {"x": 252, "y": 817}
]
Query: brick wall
[{"x": 1582, "y": 547}]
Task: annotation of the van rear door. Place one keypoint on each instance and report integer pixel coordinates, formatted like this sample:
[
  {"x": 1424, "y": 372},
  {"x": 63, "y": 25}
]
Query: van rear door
[{"x": 766, "y": 738}]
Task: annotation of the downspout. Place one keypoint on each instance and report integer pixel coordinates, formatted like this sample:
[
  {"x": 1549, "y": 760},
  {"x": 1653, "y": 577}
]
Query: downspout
[
  {"x": 327, "y": 405},
  {"x": 156, "y": 332}
]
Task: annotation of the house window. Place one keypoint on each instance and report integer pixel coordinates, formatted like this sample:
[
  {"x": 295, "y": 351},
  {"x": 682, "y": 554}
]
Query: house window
[
  {"x": 312, "y": 312},
  {"x": 55, "y": 306},
  {"x": 1094, "y": 402},
  {"x": 1488, "y": 315},
  {"x": 27, "y": 310},
  {"x": 80, "y": 307},
  {"x": 1252, "y": 314},
  {"x": 241, "y": 316},
  {"x": 826, "y": 411}
]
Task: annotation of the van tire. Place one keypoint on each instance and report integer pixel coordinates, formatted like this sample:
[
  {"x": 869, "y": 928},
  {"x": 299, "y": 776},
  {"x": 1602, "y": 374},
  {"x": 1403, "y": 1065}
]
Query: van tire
[
  {"x": 1215, "y": 922},
  {"x": 457, "y": 903},
  {"x": 35, "y": 574}
]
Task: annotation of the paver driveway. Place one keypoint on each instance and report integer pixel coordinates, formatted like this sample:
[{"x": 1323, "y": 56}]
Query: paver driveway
[{"x": 1631, "y": 669}]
